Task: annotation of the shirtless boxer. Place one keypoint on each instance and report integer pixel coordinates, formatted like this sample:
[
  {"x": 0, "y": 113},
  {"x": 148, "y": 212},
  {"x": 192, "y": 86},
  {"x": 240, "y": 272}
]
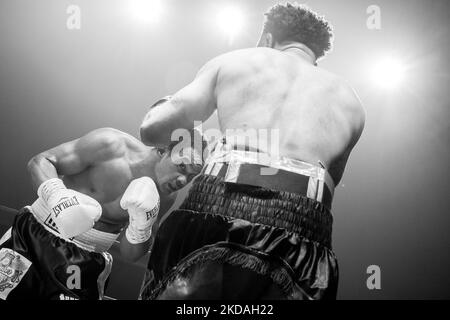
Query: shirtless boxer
[
  {"x": 245, "y": 234},
  {"x": 89, "y": 189}
]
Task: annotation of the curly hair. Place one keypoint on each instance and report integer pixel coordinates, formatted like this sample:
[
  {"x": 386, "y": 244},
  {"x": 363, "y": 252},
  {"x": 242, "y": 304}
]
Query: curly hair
[{"x": 299, "y": 23}]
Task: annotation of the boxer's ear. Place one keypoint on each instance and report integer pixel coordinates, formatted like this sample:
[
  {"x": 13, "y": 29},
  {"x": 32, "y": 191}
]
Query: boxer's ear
[
  {"x": 270, "y": 40},
  {"x": 266, "y": 40}
]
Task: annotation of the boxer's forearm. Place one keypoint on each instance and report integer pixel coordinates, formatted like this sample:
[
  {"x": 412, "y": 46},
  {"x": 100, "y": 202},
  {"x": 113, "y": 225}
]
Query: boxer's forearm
[
  {"x": 41, "y": 169},
  {"x": 133, "y": 252}
]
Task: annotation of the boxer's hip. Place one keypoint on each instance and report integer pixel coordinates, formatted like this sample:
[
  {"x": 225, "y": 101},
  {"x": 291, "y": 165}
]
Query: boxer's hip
[
  {"x": 280, "y": 235},
  {"x": 53, "y": 264}
]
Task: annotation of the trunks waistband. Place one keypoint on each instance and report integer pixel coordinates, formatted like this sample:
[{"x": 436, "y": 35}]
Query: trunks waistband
[
  {"x": 280, "y": 209},
  {"x": 277, "y": 173},
  {"x": 93, "y": 240}
]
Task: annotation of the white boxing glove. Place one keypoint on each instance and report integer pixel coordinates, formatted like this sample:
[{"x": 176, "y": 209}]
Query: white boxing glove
[
  {"x": 141, "y": 200},
  {"x": 73, "y": 212}
]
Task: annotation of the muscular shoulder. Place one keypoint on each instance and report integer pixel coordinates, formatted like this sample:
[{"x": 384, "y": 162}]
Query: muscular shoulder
[
  {"x": 106, "y": 140},
  {"x": 236, "y": 57}
]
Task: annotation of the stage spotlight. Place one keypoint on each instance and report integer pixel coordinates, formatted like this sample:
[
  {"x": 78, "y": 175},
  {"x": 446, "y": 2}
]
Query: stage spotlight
[
  {"x": 146, "y": 11},
  {"x": 388, "y": 72},
  {"x": 230, "y": 20}
]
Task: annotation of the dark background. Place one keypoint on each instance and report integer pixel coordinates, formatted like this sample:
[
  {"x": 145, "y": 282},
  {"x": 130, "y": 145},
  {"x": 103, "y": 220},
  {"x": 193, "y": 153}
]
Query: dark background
[{"x": 392, "y": 207}]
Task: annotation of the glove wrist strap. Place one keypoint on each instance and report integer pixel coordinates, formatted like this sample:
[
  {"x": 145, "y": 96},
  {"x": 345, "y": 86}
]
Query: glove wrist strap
[
  {"x": 136, "y": 235},
  {"x": 49, "y": 187}
]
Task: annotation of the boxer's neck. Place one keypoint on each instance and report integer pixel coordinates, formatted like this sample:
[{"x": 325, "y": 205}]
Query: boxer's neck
[
  {"x": 145, "y": 166},
  {"x": 300, "y": 50}
]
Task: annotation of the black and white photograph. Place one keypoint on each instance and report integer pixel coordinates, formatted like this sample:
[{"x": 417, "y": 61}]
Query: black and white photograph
[{"x": 224, "y": 151}]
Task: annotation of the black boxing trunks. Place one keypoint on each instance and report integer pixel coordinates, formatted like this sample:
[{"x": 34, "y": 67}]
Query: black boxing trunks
[
  {"x": 37, "y": 264},
  {"x": 235, "y": 240}
]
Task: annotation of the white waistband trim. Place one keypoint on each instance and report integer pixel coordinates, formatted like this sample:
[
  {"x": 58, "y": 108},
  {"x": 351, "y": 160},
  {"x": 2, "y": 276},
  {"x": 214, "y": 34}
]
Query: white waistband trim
[
  {"x": 223, "y": 154},
  {"x": 92, "y": 240}
]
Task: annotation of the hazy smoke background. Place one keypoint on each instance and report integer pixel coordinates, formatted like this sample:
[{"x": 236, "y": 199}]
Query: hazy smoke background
[{"x": 392, "y": 208}]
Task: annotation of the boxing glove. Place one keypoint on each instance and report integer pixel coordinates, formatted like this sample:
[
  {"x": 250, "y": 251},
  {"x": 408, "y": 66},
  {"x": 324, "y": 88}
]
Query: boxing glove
[
  {"x": 73, "y": 212},
  {"x": 141, "y": 200}
]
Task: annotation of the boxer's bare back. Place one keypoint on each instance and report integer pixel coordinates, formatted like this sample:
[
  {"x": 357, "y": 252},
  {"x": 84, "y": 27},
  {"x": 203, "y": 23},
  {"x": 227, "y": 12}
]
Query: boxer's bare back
[{"x": 318, "y": 115}]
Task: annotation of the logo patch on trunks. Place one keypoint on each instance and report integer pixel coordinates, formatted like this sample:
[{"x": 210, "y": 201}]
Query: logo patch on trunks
[{"x": 13, "y": 267}]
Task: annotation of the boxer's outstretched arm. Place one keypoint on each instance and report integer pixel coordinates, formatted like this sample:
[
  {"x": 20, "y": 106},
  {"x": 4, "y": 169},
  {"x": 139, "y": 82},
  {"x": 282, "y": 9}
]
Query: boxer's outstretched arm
[
  {"x": 72, "y": 157},
  {"x": 195, "y": 102}
]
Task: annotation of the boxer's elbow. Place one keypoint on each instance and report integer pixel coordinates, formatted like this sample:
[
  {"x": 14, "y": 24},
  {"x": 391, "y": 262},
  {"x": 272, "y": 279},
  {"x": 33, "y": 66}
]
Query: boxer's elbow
[
  {"x": 149, "y": 132},
  {"x": 33, "y": 169},
  {"x": 41, "y": 168},
  {"x": 31, "y": 164},
  {"x": 145, "y": 132},
  {"x": 35, "y": 163}
]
